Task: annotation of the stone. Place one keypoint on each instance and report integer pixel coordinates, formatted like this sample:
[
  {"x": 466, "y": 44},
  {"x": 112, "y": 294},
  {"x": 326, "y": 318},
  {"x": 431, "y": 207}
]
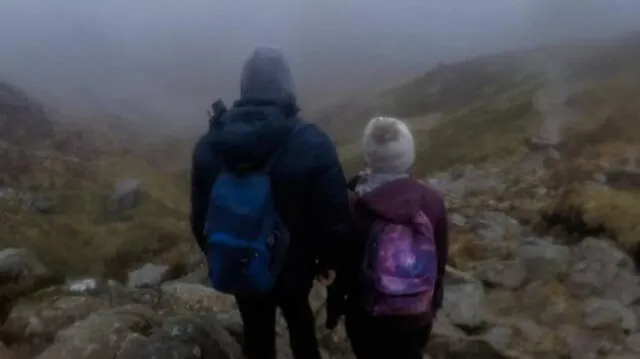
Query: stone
[
  {"x": 101, "y": 335},
  {"x": 448, "y": 342},
  {"x": 21, "y": 273},
  {"x": 41, "y": 204},
  {"x": 530, "y": 330},
  {"x": 5, "y": 352},
  {"x": 542, "y": 259},
  {"x": 133, "y": 345},
  {"x": 453, "y": 276},
  {"x": 191, "y": 337},
  {"x": 622, "y": 356},
  {"x": 633, "y": 343},
  {"x": 580, "y": 343},
  {"x": 42, "y": 317},
  {"x": 232, "y": 322},
  {"x": 599, "y": 267},
  {"x": 507, "y": 274},
  {"x": 544, "y": 303},
  {"x": 194, "y": 298},
  {"x": 85, "y": 285},
  {"x": 625, "y": 287},
  {"x": 605, "y": 313},
  {"x": 125, "y": 196},
  {"x": 149, "y": 275},
  {"x": 458, "y": 220},
  {"x": 23, "y": 119},
  {"x": 199, "y": 276},
  {"x": 496, "y": 229},
  {"x": 463, "y": 305},
  {"x": 499, "y": 337},
  {"x": 623, "y": 178}
]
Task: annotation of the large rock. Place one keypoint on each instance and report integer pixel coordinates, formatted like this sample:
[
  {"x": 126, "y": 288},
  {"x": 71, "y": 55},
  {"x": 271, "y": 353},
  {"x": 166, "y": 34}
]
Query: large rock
[
  {"x": 547, "y": 302},
  {"x": 192, "y": 337},
  {"x": 542, "y": 259},
  {"x": 113, "y": 292},
  {"x": 448, "y": 342},
  {"x": 40, "y": 204},
  {"x": 194, "y": 298},
  {"x": 21, "y": 272},
  {"x": 453, "y": 276},
  {"x": 530, "y": 330},
  {"x": 507, "y": 274},
  {"x": 633, "y": 343},
  {"x": 580, "y": 343},
  {"x": 497, "y": 231},
  {"x": 463, "y": 305},
  {"x": 41, "y": 317},
  {"x": 101, "y": 335},
  {"x": 22, "y": 119},
  {"x": 599, "y": 268},
  {"x": 232, "y": 322},
  {"x": 199, "y": 276},
  {"x": 622, "y": 356},
  {"x": 583, "y": 344},
  {"x": 125, "y": 196},
  {"x": 149, "y": 275},
  {"x": 499, "y": 337},
  {"x": 623, "y": 178},
  {"x": 607, "y": 313},
  {"x": 5, "y": 352}
]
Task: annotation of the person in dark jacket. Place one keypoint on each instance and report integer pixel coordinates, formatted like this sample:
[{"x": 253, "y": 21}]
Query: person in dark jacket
[
  {"x": 309, "y": 189},
  {"x": 385, "y": 189}
]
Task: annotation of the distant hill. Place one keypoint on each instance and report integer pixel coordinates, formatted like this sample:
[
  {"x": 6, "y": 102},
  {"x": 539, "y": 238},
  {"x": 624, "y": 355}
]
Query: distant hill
[
  {"x": 482, "y": 110},
  {"x": 22, "y": 118},
  {"x": 488, "y": 105}
]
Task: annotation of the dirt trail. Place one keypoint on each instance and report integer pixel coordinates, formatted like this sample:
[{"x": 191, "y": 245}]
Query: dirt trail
[{"x": 550, "y": 101}]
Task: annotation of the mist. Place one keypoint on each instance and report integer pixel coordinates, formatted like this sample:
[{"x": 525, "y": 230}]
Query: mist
[{"x": 167, "y": 60}]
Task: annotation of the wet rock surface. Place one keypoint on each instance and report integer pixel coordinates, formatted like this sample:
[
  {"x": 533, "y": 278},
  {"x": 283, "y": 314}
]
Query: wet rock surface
[{"x": 509, "y": 293}]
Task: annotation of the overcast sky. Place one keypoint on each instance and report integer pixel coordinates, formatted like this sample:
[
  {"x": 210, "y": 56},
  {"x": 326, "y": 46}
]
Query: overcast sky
[{"x": 170, "y": 58}]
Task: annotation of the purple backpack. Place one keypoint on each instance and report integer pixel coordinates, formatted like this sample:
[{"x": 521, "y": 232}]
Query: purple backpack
[{"x": 400, "y": 267}]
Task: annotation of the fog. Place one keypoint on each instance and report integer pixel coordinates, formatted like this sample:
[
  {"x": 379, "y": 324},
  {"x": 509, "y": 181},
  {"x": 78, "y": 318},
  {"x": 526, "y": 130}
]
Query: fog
[{"x": 167, "y": 59}]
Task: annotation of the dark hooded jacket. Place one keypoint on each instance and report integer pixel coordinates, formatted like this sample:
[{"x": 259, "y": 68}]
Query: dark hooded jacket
[
  {"x": 309, "y": 188},
  {"x": 395, "y": 201}
]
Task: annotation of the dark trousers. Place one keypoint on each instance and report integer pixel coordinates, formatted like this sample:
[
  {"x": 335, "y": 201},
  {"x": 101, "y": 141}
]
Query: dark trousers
[
  {"x": 371, "y": 339},
  {"x": 259, "y": 318}
]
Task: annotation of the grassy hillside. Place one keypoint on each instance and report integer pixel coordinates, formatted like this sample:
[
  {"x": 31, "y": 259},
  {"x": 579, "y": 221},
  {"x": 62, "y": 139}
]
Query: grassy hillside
[
  {"x": 487, "y": 105},
  {"x": 481, "y": 110},
  {"x": 488, "y": 108},
  {"x": 77, "y": 171}
]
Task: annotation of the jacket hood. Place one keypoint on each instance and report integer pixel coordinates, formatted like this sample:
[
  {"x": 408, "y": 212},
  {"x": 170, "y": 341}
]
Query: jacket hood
[
  {"x": 396, "y": 201},
  {"x": 248, "y": 136},
  {"x": 266, "y": 77}
]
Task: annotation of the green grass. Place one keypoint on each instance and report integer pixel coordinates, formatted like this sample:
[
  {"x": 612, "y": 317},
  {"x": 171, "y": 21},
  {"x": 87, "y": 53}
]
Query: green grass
[
  {"x": 79, "y": 238},
  {"x": 473, "y": 112},
  {"x": 493, "y": 124}
]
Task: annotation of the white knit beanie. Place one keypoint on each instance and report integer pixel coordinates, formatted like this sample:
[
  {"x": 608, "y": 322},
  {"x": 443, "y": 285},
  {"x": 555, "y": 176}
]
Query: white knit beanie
[{"x": 388, "y": 146}]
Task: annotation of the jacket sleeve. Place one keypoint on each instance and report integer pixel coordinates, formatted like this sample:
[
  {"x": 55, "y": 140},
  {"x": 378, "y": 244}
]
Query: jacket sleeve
[
  {"x": 200, "y": 192},
  {"x": 330, "y": 204}
]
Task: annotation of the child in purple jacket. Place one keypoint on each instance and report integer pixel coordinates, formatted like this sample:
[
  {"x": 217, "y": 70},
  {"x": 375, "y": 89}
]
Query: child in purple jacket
[{"x": 386, "y": 192}]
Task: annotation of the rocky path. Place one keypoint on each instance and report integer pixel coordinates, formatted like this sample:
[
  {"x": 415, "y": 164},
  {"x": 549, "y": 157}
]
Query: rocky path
[
  {"x": 529, "y": 298},
  {"x": 510, "y": 293}
]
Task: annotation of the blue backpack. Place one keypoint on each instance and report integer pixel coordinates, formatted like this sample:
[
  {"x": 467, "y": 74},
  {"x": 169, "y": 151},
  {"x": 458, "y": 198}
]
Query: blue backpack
[{"x": 247, "y": 241}]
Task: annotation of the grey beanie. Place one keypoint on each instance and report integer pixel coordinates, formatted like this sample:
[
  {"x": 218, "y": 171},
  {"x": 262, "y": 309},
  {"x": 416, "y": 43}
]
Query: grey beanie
[{"x": 388, "y": 146}]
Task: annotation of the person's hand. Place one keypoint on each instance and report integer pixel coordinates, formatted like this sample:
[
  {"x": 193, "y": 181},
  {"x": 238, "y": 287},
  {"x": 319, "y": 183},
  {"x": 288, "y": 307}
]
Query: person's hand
[{"x": 327, "y": 277}]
